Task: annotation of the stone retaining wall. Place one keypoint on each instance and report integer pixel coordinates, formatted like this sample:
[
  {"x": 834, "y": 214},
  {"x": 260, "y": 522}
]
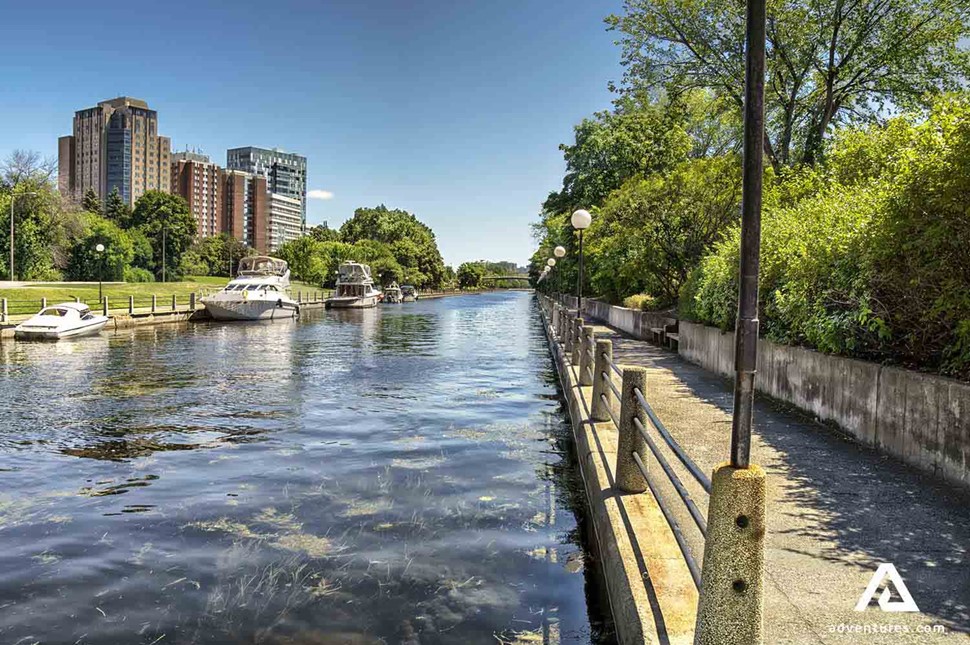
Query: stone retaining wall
[{"x": 921, "y": 419}]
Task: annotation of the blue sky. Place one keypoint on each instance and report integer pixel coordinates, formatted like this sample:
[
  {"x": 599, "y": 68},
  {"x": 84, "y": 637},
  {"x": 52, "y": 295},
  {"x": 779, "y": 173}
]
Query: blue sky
[{"x": 452, "y": 110}]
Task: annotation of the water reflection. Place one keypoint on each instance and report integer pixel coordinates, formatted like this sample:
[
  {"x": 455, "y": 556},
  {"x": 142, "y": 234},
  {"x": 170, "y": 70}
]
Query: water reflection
[{"x": 390, "y": 475}]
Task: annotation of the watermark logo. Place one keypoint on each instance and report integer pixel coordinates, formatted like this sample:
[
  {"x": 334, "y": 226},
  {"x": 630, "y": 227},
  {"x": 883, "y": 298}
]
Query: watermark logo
[{"x": 887, "y": 570}]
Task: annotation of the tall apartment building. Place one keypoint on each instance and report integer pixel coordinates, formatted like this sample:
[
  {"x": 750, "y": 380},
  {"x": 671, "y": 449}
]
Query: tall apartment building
[
  {"x": 285, "y": 172},
  {"x": 114, "y": 145},
  {"x": 285, "y": 220},
  {"x": 201, "y": 183},
  {"x": 245, "y": 208}
]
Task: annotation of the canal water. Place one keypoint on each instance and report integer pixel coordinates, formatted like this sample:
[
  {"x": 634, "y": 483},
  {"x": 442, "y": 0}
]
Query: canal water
[{"x": 394, "y": 475}]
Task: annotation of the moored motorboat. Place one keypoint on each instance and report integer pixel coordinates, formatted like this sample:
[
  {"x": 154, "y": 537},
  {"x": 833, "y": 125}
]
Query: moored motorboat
[
  {"x": 392, "y": 294},
  {"x": 408, "y": 293},
  {"x": 258, "y": 292},
  {"x": 66, "y": 320},
  {"x": 355, "y": 288}
]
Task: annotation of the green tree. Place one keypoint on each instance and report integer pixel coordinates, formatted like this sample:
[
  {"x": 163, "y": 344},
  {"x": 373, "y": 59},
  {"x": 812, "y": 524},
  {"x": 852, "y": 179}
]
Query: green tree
[
  {"x": 117, "y": 210},
  {"x": 217, "y": 255},
  {"x": 323, "y": 233},
  {"x": 470, "y": 275},
  {"x": 611, "y": 148},
  {"x": 412, "y": 243},
  {"x": 652, "y": 232},
  {"x": 91, "y": 203},
  {"x": 830, "y": 62},
  {"x": 170, "y": 227},
  {"x": 87, "y": 264}
]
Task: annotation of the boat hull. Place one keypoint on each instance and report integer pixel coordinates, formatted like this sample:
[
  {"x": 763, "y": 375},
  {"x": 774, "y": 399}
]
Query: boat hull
[
  {"x": 251, "y": 309},
  {"x": 364, "y": 302},
  {"x": 90, "y": 328}
]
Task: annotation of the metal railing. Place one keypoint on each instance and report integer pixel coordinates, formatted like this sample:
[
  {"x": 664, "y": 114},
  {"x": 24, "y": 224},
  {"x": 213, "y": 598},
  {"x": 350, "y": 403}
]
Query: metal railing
[{"x": 611, "y": 393}]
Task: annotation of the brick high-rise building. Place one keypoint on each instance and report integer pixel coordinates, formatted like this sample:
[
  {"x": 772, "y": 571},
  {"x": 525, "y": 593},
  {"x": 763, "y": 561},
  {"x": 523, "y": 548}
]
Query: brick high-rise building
[
  {"x": 245, "y": 209},
  {"x": 114, "y": 145},
  {"x": 202, "y": 184}
]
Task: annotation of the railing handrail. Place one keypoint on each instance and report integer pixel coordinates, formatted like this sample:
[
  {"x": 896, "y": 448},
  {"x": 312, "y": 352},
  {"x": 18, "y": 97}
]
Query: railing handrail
[
  {"x": 613, "y": 366},
  {"x": 695, "y": 573},
  {"x": 689, "y": 464},
  {"x": 674, "y": 479}
]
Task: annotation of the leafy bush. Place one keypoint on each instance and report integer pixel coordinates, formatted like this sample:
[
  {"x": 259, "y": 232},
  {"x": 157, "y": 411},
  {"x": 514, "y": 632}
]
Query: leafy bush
[
  {"x": 135, "y": 274},
  {"x": 876, "y": 263},
  {"x": 641, "y": 302}
]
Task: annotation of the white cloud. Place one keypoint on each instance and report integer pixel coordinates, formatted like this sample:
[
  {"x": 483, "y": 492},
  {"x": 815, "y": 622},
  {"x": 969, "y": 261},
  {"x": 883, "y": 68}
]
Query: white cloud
[{"x": 319, "y": 194}]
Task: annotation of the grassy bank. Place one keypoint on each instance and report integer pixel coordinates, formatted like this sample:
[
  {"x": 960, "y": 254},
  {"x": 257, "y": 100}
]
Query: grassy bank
[{"x": 27, "y": 298}]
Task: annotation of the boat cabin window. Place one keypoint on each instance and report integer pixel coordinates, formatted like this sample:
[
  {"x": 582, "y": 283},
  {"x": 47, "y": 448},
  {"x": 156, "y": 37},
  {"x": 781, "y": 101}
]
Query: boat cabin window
[{"x": 54, "y": 311}]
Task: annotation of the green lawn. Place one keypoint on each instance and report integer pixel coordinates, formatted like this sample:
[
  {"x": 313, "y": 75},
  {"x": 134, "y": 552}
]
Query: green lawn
[{"x": 27, "y": 299}]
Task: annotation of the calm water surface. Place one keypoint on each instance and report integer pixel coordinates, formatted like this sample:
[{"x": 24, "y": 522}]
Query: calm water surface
[{"x": 395, "y": 475}]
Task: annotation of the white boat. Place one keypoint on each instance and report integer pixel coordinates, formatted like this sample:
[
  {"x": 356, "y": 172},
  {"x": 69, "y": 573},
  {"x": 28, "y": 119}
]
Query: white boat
[
  {"x": 392, "y": 294},
  {"x": 258, "y": 292},
  {"x": 355, "y": 288},
  {"x": 66, "y": 320},
  {"x": 408, "y": 293}
]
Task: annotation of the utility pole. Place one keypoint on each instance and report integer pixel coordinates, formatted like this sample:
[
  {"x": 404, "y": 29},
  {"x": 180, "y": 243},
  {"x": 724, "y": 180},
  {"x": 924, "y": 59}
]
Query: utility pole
[{"x": 746, "y": 329}]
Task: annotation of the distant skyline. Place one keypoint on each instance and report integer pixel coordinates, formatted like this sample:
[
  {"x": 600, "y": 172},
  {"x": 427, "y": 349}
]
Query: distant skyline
[{"x": 452, "y": 111}]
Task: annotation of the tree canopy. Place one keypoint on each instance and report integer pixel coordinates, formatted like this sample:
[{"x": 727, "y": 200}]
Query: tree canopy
[
  {"x": 169, "y": 225},
  {"x": 829, "y": 62}
]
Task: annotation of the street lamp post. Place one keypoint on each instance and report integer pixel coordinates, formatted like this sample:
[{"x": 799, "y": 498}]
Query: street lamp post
[
  {"x": 100, "y": 249},
  {"x": 746, "y": 332},
  {"x": 559, "y": 252},
  {"x": 13, "y": 197},
  {"x": 580, "y": 220}
]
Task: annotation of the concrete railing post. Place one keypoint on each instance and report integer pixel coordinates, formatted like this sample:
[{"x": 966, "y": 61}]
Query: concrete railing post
[
  {"x": 578, "y": 346},
  {"x": 77, "y": 299},
  {"x": 154, "y": 302},
  {"x": 192, "y": 301},
  {"x": 173, "y": 302},
  {"x": 43, "y": 303},
  {"x": 629, "y": 479},
  {"x": 555, "y": 317},
  {"x": 104, "y": 305},
  {"x": 601, "y": 365},
  {"x": 731, "y": 604},
  {"x": 587, "y": 346},
  {"x": 3, "y": 310},
  {"x": 567, "y": 331},
  {"x": 131, "y": 305}
]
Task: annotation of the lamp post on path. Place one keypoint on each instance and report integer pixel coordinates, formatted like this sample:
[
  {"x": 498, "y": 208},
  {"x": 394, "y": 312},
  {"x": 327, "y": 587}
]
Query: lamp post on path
[
  {"x": 746, "y": 329},
  {"x": 559, "y": 252},
  {"x": 731, "y": 604},
  {"x": 580, "y": 220},
  {"x": 100, "y": 249}
]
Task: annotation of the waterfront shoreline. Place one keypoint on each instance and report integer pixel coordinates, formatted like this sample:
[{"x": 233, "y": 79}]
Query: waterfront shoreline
[{"x": 166, "y": 317}]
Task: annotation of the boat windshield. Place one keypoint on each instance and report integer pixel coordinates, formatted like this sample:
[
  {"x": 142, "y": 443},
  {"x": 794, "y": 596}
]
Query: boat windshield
[
  {"x": 407, "y": 289},
  {"x": 53, "y": 311}
]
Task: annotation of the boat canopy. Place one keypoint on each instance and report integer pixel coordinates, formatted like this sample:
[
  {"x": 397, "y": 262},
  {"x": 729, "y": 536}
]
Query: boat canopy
[
  {"x": 406, "y": 288},
  {"x": 354, "y": 272},
  {"x": 262, "y": 265}
]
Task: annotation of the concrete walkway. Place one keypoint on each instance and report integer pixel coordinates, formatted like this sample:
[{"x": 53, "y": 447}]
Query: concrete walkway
[{"x": 836, "y": 510}]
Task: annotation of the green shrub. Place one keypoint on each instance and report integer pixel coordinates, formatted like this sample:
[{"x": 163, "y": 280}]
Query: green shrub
[
  {"x": 876, "y": 263},
  {"x": 640, "y": 301},
  {"x": 135, "y": 274}
]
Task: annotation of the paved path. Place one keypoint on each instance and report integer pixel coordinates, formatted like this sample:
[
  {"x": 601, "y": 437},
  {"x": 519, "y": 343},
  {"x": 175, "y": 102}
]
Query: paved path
[{"x": 836, "y": 510}]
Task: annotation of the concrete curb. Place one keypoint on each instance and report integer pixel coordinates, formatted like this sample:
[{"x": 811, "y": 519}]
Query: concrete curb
[{"x": 652, "y": 596}]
